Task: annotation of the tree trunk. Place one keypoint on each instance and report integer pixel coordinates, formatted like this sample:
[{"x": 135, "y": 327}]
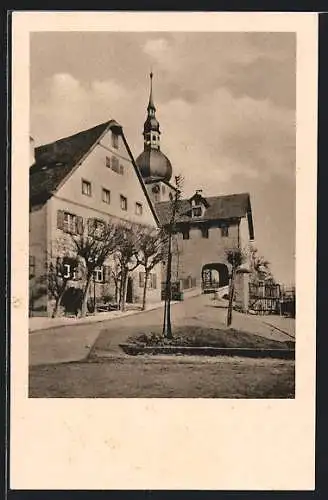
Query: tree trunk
[
  {"x": 85, "y": 296},
  {"x": 124, "y": 287},
  {"x": 58, "y": 302},
  {"x": 167, "y": 327},
  {"x": 231, "y": 295},
  {"x": 144, "y": 295}
]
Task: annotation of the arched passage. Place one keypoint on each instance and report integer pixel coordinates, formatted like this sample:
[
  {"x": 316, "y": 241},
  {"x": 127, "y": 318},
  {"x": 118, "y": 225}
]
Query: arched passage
[{"x": 214, "y": 276}]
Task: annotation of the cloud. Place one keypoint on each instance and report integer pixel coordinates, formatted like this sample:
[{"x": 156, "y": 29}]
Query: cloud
[
  {"x": 222, "y": 136},
  {"x": 156, "y": 47}
]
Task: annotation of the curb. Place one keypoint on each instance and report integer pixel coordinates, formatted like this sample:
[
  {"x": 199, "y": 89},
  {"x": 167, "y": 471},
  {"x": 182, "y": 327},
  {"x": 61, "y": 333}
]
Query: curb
[
  {"x": 100, "y": 320},
  {"x": 134, "y": 350}
]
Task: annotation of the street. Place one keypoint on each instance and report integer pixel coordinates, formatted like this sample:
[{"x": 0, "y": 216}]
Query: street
[{"x": 59, "y": 366}]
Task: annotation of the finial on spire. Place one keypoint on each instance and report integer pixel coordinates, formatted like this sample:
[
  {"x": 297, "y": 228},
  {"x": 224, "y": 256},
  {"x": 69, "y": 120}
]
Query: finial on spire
[{"x": 151, "y": 102}]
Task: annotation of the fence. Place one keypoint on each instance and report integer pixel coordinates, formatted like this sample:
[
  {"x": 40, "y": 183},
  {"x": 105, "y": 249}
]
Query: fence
[
  {"x": 272, "y": 298},
  {"x": 264, "y": 298}
]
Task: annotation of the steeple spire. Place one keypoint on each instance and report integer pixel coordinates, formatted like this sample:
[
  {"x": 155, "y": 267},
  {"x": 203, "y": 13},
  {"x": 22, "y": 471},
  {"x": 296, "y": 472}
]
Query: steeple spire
[
  {"x": 151, "y": 131},
  {"x": 151, "y": 105}
]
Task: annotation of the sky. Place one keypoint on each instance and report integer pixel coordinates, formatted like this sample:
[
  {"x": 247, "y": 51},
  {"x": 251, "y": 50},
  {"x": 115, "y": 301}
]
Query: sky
[{"x": 225, "y": 103}]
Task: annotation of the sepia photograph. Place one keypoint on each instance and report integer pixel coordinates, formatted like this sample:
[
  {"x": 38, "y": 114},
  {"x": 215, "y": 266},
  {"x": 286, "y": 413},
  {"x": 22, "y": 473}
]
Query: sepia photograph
[
  {"x": 163, "y": 250},
  {"x": 162, "y": 215}
]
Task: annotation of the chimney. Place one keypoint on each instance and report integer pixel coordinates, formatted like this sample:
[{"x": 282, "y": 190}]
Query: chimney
[{"x": 32, "y": 146}]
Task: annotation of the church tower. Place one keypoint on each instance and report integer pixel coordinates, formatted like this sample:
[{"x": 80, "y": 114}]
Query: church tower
[{"x": 154, "y": 166}]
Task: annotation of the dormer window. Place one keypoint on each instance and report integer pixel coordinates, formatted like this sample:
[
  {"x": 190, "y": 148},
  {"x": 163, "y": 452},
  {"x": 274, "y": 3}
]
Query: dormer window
[{"x": 197, "y": 211}]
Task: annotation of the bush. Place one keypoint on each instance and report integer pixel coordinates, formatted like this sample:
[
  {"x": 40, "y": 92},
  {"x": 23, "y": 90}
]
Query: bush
[{"x": 72, "y": 300}]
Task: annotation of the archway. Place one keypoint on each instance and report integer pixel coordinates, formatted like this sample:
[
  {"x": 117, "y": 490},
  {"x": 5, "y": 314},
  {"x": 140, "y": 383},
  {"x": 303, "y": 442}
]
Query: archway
[{"x": 214, "y": 276}]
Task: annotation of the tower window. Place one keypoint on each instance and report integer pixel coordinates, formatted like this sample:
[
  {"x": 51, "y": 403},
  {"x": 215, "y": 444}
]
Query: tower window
[
  {"x": 154, "y": 137},
  {"x": 123, "y": 202},
  {"x": 114, "y": 140}
]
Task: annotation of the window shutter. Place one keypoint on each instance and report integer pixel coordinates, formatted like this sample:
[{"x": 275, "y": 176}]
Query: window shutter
[
  {"x": 60, "y": 219},
  {"x": 91, "y": 225},
  {"x": 154, "y": 284},
  {"x": 79, "y": 225},
  {"x": 141, "y": 279}
]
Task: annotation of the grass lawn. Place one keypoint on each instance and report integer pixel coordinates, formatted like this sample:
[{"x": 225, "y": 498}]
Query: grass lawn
[{"x": 165, "y": 377}]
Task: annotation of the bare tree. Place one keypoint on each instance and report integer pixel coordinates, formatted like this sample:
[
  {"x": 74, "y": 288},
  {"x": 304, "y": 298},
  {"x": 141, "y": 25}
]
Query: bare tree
[
  {"x": 115, "y": 273},
  {"x": 235, "y": 257},
  {"x": 127, "y": 256},
  {"x": 151, "y": 252},
  {"x": 97, "y": 241},
  {"x": 174, "y": 204},
  {"x": 59, "y": 272}
]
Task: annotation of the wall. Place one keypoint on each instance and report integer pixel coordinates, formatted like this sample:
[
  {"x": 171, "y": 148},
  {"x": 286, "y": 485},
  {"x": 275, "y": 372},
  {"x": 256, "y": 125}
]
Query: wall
[
  {"x": 38, "y": 249},
  {"x": 70, "y": 198},
  {"x": 198, "y": 251},
  {"x": 94, "y": 170},
  {"x": 163, "y": 193}
]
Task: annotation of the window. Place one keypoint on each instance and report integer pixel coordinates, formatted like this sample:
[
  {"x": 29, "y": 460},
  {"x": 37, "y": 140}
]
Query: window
[
  {"x": 123, "y": 202},
  {"x": 138, "y": 208},
  {"x": 224, "y": 231},
  {"x": 121, "y": 170},
  {"x": 114, "y": 140},
  {"x": 70, "y": 223},
  {"x": 185, "y": 234},
  {"x": 154, "y": 137},
  {"x": 96, "y": 227},
  {"x": 86, "y": 187},
  {"x": 31, "y": 266},
  {"x": 197, "y": 211},
  {"x": 98, "y": 274},
  {"x": 108, "y": 164},
  {"x": 115, "y": 165},
  {"x": 204, "y": 232},
  {"x": 163, "y": 189},
  {"x": 67, "y": 271},
  {"x": 106, "y": 196}
]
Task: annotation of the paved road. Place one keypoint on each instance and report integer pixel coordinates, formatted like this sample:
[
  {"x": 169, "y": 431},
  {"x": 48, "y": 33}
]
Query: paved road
[{"x": 73, "y": 343}]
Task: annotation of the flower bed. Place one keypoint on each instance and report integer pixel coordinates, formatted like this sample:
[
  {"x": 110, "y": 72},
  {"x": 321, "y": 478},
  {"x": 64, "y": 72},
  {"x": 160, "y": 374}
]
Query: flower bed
[{"x": 208, "y": 341}]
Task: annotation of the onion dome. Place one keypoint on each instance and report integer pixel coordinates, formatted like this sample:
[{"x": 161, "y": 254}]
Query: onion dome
[{"x": 154, "y": 165}]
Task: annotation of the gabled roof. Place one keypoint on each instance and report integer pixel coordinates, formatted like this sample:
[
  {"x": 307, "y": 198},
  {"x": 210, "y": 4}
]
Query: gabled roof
[
  {"x": 54, "y": 162},
  {"x": 233, "y": 206}
]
